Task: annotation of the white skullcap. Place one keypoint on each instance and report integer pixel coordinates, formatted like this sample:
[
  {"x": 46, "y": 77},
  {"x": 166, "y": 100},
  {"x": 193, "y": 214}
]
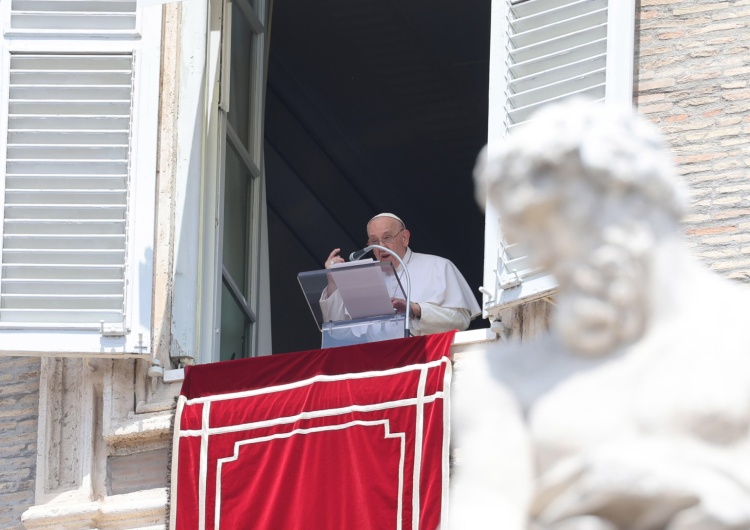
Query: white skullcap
[{"x": 392, "y": 216}]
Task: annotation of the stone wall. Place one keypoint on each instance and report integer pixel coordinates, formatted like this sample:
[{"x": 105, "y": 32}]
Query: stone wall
[
  {"x": 19, "y": 405},
  {"x": 693, "y": 80}
]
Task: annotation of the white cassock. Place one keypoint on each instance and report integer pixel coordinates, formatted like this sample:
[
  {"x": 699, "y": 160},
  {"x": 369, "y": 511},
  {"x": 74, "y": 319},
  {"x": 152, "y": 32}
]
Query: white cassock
[{"x": 445, "y": 299}]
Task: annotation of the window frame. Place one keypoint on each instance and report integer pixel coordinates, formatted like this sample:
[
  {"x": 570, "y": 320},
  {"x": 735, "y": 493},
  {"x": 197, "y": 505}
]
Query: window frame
[
  {"x": 251, "y": 156},
  {"x": 202, "y": 130}
]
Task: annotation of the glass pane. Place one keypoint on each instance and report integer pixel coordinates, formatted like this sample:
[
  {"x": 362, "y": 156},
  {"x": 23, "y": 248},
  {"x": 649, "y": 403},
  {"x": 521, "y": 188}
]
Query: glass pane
[
  {"x": 235, "y": 328},
  {"x": 237, "y": 196},
  {"x": 241, "y": 74}
]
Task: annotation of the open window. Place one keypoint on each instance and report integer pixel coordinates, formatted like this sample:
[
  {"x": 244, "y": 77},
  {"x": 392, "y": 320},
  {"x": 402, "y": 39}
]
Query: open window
[
  {"x": 241, "y": 200},
  {"x": 372, "y": 106},
  {"x": 78, "y": 108},
  {"x": 544, "y": 51}
]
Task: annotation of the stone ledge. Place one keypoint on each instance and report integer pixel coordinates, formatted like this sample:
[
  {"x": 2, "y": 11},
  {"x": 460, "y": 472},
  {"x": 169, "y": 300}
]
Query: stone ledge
[
  {"x": 472, "y": 340},
  {"x": 139, "y": 428},
  {"x": 143, "y": 509}
]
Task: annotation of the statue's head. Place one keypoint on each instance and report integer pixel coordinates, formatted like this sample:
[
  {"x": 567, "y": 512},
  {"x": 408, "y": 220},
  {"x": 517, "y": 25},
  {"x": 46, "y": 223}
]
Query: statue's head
[{"x": 590, "y": 190}]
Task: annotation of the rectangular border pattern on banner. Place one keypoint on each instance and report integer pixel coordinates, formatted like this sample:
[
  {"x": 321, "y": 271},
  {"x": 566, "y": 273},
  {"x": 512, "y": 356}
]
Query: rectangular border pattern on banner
[{"x": 401, "y": 412}]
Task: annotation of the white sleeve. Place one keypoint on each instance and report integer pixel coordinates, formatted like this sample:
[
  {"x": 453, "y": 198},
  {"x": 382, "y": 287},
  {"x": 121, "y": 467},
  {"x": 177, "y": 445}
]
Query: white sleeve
[
  {"x": 332, "y": 307},
  {"x": 436, "y": 319}
]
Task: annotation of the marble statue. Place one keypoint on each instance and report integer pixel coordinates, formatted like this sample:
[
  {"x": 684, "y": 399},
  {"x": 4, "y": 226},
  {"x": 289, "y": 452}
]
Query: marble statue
[{"x": 633, "y": 412}]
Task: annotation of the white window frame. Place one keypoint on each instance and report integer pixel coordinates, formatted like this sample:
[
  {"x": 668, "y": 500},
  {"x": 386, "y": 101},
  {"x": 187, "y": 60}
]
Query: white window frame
[
  {"x": 619, "y": 91},
  {"x": 196, "y": 305},
  {"x": 144, "y": 43},
  {"x": 252, "y": 157}
]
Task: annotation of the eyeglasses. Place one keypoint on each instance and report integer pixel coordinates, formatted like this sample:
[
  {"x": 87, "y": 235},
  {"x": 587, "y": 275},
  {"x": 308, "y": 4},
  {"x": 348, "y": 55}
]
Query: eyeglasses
[{"x": 385, "y": 240}]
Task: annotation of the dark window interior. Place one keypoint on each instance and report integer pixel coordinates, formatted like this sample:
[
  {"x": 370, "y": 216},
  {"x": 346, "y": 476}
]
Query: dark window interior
[{"x": 372, "y": 105}]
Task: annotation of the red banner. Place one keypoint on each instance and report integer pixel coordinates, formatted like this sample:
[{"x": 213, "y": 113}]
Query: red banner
[{"x": 344, "y": 438}]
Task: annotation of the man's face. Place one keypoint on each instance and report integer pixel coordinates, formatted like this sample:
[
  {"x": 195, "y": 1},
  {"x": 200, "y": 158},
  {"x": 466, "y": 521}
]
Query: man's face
[{"x": 382, "y": 227}]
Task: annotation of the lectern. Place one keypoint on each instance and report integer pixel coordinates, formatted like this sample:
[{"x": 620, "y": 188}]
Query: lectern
[{"x": 351, "y": 303}]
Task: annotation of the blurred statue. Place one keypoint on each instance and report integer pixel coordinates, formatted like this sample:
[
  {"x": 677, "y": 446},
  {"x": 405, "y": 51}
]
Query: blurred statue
[{"x": 634, "y": 412}]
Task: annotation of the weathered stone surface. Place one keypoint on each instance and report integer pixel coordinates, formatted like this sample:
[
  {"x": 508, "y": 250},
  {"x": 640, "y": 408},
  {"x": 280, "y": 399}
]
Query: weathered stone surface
[{"x": 19, "y": 402}]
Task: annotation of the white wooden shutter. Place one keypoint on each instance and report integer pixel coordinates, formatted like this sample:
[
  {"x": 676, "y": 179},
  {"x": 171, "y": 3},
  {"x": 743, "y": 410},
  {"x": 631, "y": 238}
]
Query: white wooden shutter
[
  {"x": 66, "y": 189},
  {"x": 91, "y": 17},
  {"x": 79, "y": 157},
  {"x": 551, "y": 50},
  {"x": 556, "y": 48}
]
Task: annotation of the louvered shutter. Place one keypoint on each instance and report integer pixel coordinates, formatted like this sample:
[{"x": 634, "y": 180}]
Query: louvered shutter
[
  {"x": 75, "y": 262},
  {"x": 90, "y": 17},
  {"x": 551, "y": 50},
  {"x": 556, "y": 48}
]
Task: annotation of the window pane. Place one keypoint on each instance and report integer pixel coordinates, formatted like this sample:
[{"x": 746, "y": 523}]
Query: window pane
[
  {"x": 239, "y": 90},
  {"x": 237, "y": 196},
  {"x": 234, "y": 328}
]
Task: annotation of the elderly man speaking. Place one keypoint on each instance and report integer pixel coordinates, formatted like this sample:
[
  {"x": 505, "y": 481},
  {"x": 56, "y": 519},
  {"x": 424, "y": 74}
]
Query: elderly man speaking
[{"x": 441, "y": 300}]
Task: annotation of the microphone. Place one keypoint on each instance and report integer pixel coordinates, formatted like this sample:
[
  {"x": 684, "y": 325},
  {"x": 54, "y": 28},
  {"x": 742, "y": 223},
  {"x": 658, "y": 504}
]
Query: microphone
[{"x": 357, "y": 254}]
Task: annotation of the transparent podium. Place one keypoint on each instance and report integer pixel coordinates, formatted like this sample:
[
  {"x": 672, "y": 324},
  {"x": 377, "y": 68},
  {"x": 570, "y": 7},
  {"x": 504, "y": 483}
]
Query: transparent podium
[{"x": 351, "y": 303}]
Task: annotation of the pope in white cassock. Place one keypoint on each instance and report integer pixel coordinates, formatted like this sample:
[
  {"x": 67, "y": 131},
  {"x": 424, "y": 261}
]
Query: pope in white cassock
[{"x": 441, "y": 300}]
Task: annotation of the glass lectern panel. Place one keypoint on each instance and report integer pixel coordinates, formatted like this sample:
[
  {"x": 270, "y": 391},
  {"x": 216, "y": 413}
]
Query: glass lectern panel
[{"x": 351, "y": 303}]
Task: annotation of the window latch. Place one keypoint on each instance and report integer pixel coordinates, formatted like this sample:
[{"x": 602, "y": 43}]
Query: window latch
[{"x": 111, "y": 331}]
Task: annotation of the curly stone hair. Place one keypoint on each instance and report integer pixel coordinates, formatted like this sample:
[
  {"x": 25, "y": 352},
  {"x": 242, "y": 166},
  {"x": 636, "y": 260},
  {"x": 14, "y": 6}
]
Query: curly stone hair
[{"x": 590, "y": 190}]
